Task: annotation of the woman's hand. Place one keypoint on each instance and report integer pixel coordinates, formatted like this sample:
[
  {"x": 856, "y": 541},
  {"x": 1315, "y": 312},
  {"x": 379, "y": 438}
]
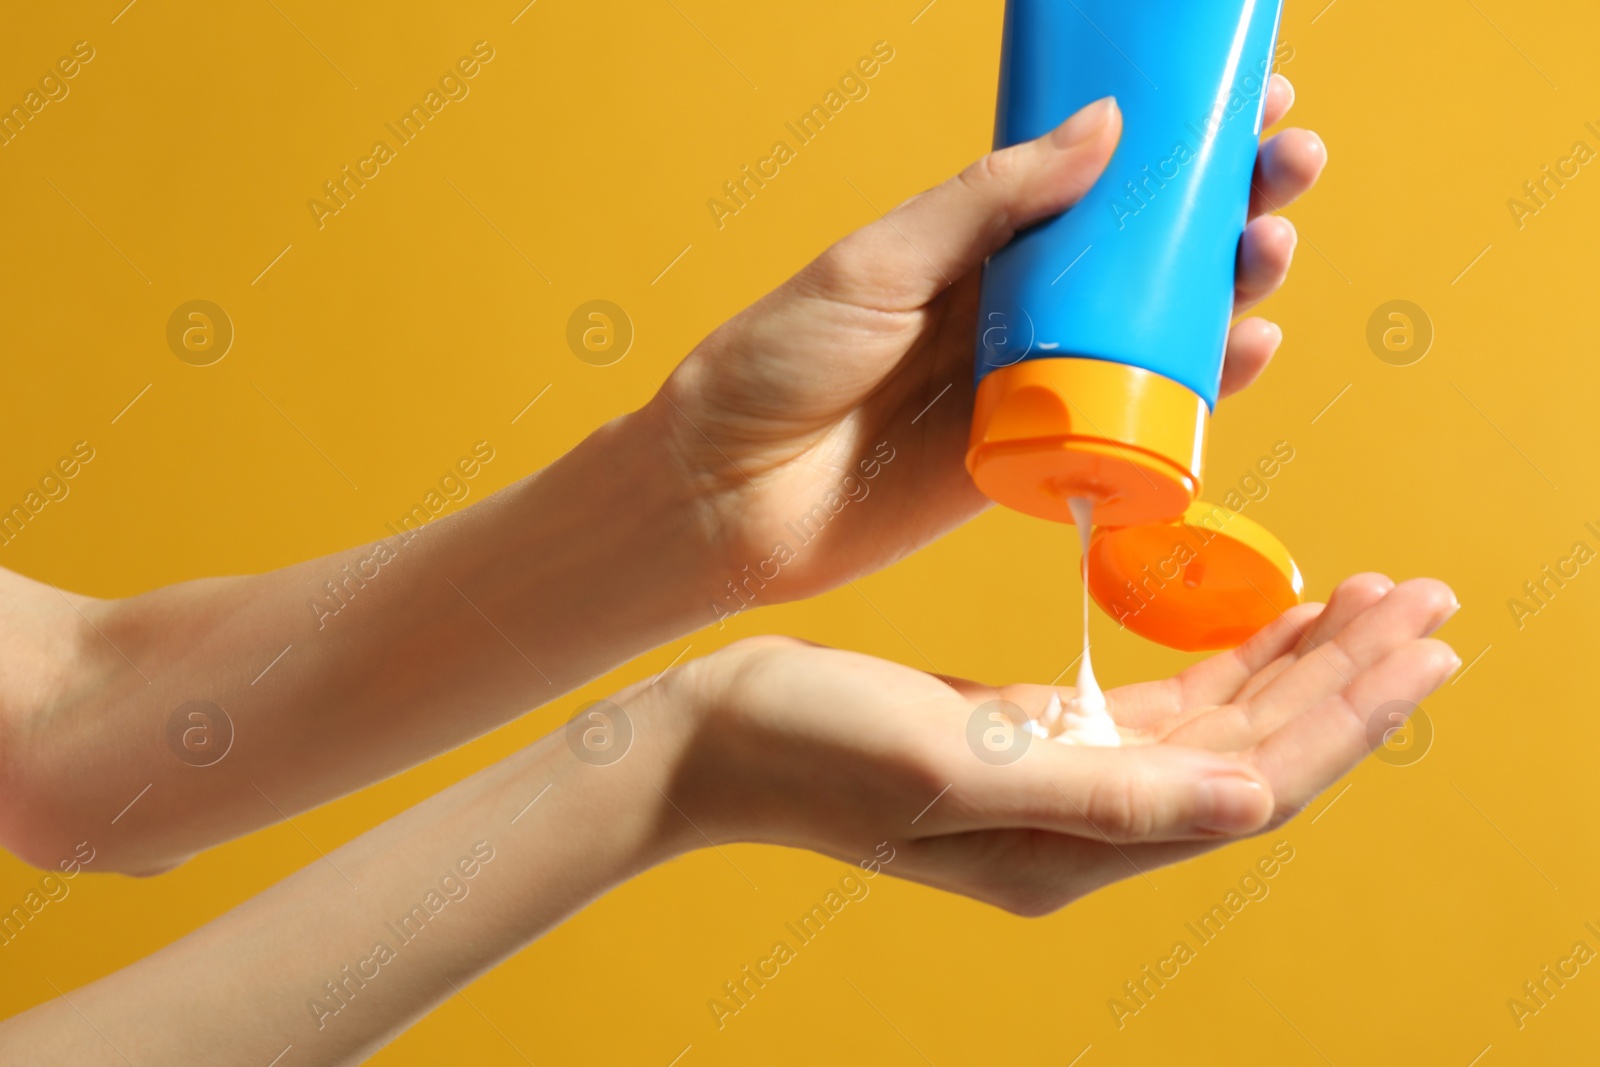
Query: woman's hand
[
  {"x": 834, "y": 751},
  {"x": 767, "y": 740},
  {"x": 826, "y": 377}
]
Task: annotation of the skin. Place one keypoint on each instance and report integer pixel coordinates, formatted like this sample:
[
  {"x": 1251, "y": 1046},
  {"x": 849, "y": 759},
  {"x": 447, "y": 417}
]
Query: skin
[
  {"x": 508, "y": 604},
  {"x": 786, "y": 399},
  {"x": 513, "y": 601},
  {"x": 769, "y": 740}
]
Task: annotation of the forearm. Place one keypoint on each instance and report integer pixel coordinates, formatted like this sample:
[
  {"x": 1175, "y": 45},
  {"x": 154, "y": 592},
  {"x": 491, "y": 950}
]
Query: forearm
[
  {"x": 337, "y": 672},
  {"x": 345, "y": 954}
]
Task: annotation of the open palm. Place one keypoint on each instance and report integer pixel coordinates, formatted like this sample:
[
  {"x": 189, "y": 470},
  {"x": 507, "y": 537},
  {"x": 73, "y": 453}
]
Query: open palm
[{"x": 835, "y": 751}]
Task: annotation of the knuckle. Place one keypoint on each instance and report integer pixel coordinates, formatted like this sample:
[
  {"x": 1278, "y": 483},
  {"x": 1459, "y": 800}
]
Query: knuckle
[
  {"x": 1121, "y": 808},
  {"x": 1337, "y": 653},
  {"x": 1355, "y": 718},
  {"x": 996, "y": 168}
]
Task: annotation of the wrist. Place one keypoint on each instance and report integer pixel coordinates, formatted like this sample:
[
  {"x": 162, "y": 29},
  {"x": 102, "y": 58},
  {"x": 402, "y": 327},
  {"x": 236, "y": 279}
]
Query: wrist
[
  {"x": 713, "y": 492},
  {"x": 607, "y": 541},
  {"x": 618, "y": 761},
  {"x": 712, "y": 763},
  {"x": 731, "y": 471}
]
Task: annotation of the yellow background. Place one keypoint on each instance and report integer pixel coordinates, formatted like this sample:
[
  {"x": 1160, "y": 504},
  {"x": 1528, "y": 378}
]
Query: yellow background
[{"x": 418, "y": 322}]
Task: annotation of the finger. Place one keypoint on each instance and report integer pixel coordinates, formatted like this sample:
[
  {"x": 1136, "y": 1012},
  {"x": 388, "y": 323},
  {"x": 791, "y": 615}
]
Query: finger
[
  {"x": 1308, "y": 755},
  {"x": 921, "y": 247},
  {"x": 1213, "y": 717},
  {"x": 1287, "y": 165},
  {"x": 1234, "y": 727},
  {"x": 1350, "y": 599},
  {"x": 1218, "y": 688},
  {"x": 1265, "y": 252},
  {"x": 1411, "y": 610},
  {"x": 1314, "y": 750},
  {"x": 1251, "y": 345},
  {"x": 1280, "y": 98},
  {"x": 1219, "y": 679},
  {"x": 1145, "y": 793}
]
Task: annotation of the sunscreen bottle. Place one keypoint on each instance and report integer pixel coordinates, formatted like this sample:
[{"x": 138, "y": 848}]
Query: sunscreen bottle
[{"x": 1102, "y": 331}]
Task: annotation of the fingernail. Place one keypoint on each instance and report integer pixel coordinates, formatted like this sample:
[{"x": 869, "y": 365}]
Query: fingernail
[
  {"x": 1087, "y": 122},
  {"x": 1231, "y": 805},
  {"x": 1288, "y": 87},
  {"x": 1277, "y": 335},
  {"x": 1444, "y": 617}
]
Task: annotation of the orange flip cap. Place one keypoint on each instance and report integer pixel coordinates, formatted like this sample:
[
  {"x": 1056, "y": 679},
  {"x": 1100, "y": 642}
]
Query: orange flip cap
[
  {"x": 1169, "y": 567},
  {"x": 1208, "y": 581}
]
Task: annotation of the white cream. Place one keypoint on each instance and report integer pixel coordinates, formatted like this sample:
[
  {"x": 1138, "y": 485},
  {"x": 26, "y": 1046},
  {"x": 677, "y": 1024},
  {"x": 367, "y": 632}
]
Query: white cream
[{"x": 1084, "y": 720}]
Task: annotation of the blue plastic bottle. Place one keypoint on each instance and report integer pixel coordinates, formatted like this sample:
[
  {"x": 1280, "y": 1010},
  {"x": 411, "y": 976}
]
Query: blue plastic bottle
[
  {"x": 1102, "y": 331},
  {"x": 1139, "y": 273}
]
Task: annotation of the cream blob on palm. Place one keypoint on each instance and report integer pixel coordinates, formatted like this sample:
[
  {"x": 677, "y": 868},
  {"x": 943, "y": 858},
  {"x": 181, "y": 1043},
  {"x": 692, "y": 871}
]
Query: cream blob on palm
[{"x": 1084, "y": 719}]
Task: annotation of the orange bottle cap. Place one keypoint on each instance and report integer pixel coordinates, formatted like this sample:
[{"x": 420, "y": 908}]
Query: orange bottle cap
[
  {"x": 1207, "y": 581},
  {"x": 1186, "y": 574},
  {"x": 1046, "y": 430}
]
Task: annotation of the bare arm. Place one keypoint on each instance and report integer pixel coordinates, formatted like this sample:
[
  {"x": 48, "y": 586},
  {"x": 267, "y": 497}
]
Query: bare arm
[
  {"x": 767, "y": 740},
  {"x": 746, "y": 480},
  {"x": 496, "y": 609},
  {"x": 340, "y": 957}
]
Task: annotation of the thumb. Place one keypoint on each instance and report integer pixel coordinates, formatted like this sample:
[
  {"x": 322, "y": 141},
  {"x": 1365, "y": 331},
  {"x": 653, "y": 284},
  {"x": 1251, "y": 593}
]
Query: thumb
[
  {"x": 1142, "y": 793},
  {"x": 921, "y": 247}
]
